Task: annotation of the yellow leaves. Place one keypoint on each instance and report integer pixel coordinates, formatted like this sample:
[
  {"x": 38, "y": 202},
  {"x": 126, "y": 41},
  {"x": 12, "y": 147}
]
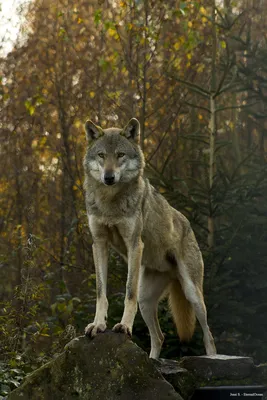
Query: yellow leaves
[
  {"x": 203, "y": 10},
  {"x": 19, "y": 230},
  {"x": 77, "y": 185},
  {"x": 112, "y": 32},
  {"x": 142, "y": 41},
  {"x": 92, "y": 94},
  {"x": 62, "y": 32},
  {"x": 3, "y": 186},
  {"x": 125, "y": 71},
  {"x": 177, "y": 63},
  {"x": 43, "y": 141},
  {"x": 223, "y": 44},
  {"x": 188, "y": 56},
  {"x": 39, "y": 143},
  {"x": 80, "y": 21},
  {"x": 29, "y": 107},
  {"x": 231, "y": 125},
  {"x": 176, "y": 45},
  {"x": 147, "y": 85},
  {"x": 200, "y": 68},
  {"x": 34, "y": 143},
  {"x": 200, "y": 117},
  {"x": 189, "y": 24},
  {"x": 203, "y": 15},
  {"x": 78, "y": 123}
]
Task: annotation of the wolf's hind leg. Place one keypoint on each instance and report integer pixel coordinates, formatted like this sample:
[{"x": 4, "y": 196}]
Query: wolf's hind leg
[
  {"x": 195, "y": 296},
  {"x": 151, "y": 287}
]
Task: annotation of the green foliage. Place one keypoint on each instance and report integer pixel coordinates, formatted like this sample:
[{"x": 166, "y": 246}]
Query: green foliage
[{"x": 11, "y": 376}]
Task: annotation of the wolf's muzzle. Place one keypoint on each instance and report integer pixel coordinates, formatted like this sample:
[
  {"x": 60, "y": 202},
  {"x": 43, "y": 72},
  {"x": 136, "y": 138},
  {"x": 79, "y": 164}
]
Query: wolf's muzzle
[{"x": 109, "y": 178}]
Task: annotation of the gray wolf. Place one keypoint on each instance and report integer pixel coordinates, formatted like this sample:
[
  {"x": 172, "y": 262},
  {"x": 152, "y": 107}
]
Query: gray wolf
[{"x": 127, "y": 213}]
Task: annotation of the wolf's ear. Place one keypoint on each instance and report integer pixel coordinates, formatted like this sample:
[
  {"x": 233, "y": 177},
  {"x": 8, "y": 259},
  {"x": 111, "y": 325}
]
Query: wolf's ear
[
  {"x": 132, "y": 130},
  {"x": 92, "y": 131}
]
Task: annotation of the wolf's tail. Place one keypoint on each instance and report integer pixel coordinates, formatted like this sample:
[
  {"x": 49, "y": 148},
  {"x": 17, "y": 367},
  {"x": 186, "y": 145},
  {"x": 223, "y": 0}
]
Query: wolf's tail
[{"x": 182, "y": 312}]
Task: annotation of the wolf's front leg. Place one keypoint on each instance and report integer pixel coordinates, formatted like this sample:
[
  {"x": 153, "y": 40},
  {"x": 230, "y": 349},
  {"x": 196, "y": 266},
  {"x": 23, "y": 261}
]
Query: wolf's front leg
[
  {"x": 100, "y": 253},
  {"x": 130, "y": 304}
]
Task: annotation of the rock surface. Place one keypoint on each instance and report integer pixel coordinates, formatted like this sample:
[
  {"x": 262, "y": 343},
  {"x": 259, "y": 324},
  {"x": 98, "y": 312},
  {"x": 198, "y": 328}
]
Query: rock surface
[
  {"x": 219, "y": 367},
  {"x": 112, "y": 367},
  {"x": 109, "y": 367},
  {"x": 183, "y": 381}
]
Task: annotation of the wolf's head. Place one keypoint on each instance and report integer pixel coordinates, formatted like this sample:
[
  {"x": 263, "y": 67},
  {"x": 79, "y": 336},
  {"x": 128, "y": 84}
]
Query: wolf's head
[{"x": 113, "y": 155}]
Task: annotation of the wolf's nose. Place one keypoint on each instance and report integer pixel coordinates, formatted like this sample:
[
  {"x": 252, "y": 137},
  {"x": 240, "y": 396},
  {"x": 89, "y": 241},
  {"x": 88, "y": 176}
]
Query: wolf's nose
[{"x": 109, "y": 178}]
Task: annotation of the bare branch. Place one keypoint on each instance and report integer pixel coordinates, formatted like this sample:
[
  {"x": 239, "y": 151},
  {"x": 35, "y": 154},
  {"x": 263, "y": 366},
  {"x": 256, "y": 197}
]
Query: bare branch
[
  {"x": 197, "y": 106},
  {"x": 234, "y": 107},
  {"x": 193, "y": 86}
]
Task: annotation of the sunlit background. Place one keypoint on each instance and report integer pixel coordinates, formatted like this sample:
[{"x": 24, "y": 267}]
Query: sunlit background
[{"x": 10, "y": 22}]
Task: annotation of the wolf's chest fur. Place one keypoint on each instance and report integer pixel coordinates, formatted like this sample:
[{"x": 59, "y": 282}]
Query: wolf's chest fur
[{"x": 112, "y": 204}]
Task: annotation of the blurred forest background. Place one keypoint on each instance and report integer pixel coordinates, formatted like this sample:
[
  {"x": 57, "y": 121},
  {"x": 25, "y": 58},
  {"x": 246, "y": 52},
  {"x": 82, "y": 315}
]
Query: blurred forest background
[{"x": 195, "y": 74}]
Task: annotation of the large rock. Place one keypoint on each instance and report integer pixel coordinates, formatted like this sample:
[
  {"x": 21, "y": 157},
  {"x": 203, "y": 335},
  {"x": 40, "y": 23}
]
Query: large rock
[
  {"x": 191, "y": 373},
  {"x": 108, "y": 367},
  {"x": 112, "y": 367},
  {"x": 220, "y": 368},
  {"x": 183, "y": 381}
]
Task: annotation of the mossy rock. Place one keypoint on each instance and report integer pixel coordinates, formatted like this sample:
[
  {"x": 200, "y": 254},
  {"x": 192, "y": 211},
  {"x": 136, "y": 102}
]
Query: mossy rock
[{"x": 109, "y": 367}]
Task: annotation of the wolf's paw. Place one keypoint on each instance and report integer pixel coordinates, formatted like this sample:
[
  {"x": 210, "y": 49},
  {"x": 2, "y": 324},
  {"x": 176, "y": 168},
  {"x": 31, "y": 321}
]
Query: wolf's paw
[
  {"x": 93, "y": 329},
  {"x": 122, "y": 329}
]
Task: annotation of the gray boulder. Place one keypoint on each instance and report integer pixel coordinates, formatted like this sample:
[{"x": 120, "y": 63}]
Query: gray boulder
[
  {"x": 109, "y": 367},
  {"x": 112, "y": 367},
  {"x": 220, "y": 369},
  {"x": 183, "y": 381}
]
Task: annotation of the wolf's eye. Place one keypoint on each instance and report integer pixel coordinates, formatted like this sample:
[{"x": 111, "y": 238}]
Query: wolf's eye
[
  {"x": 120, "y": 155},
  {"x": 101, "y": 155}
]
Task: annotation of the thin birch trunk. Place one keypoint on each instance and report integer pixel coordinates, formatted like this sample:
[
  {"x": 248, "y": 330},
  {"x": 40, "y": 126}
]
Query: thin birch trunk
[
  {"x": 143, "y": 119},
  {"x": 213, "y": 128}
]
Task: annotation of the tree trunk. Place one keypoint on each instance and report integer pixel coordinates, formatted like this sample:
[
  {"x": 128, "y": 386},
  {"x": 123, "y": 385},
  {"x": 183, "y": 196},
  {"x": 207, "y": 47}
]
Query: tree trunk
[
  {"x": 213, "y": 128},
  {"x": 144, "y": 95}
]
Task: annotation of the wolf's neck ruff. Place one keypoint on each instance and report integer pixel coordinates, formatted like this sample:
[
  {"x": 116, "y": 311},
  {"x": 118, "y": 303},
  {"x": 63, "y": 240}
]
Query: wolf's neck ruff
[{"x": 112, "y": 201}]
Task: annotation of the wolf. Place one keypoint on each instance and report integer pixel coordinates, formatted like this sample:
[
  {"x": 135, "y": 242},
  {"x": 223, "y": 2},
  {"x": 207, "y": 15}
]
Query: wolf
[{"x": 125, "y": 212}]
